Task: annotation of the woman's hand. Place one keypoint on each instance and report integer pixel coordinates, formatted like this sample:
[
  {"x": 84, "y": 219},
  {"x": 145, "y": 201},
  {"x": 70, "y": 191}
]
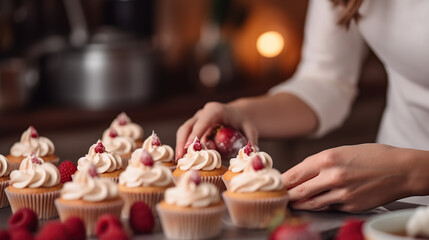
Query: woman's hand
[
  {"x": 202, "y": 123},
  {"x": 355, "y": 178}
]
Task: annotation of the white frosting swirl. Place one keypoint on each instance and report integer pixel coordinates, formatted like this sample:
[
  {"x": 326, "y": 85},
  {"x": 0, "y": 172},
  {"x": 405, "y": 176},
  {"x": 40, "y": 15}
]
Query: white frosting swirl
[
  {"x": 4, "y": 166},
  {"x": 104, "y": 162},
  {"x": 161, "y": 153},
  {"x": 267, "y": 179},
  {"x": 139, "y": 175},
  {"x": 129, "y": 129},
  {"x": 417, "y": 225},
  {"x": 188, "y": 194},
  {"x": 242, "y": 161},
  {"x": 205, "y": 159},
  {"x": 34, "y": 173},
  {"x": 88, "y": 188},
  {"x": 118, "y": 144},
  {"x": 29, "y": 144}
]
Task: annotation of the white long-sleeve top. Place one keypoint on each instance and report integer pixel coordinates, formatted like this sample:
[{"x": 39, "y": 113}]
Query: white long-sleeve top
[{"x": 326, "y": 79}]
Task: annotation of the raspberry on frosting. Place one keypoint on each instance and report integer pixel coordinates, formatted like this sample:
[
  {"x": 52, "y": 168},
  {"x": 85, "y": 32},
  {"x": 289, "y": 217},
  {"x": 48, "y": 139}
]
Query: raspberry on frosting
[
  {"x": 32, "y": 142},
  {"x": 159, "y": 152},
  {"x": 198, "y": 157},
  {"x": 103, "y": 160}
]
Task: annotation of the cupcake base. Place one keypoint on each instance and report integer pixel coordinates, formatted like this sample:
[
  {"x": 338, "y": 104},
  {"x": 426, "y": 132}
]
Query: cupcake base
[
  {"x": 254, "y": 210},
  {"x": 150, "y": 195},
  {"x": 15, "y": 161},
  {"x": 214, "y": 177},
  {"x": 4, "y": 183},
  {"x": 190, "y": 223},
  {"x": 40, "y": 200},
  {"x": 89, "y": 212}
]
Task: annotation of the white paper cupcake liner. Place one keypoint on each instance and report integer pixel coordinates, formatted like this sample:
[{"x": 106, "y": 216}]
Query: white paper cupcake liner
[
  {"x": 14, "y": 166},
  {"x": 89, "y": 213},
  {"x": 41, "y": 203},
  {"x": 3, "y": 198},
  {"x": 216, "y": 180},
  {"x": 193, "y": 224},
  {"x": 226, "y": 182},
  {"x": 254, "y": 213},
  {"x": 150, "y": 198}
]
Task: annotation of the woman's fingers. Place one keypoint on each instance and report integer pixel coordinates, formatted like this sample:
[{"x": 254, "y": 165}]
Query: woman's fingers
[
  {"x": 251, "y": 133},
  {"x": 182, "y": 136},
  {"x": 323, "y": 200},
  {"x": 300, "y": 173}
]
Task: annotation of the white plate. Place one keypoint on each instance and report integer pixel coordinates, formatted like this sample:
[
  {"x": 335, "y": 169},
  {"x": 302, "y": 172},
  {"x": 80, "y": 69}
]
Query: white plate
[{"x": 383, "y": 227}]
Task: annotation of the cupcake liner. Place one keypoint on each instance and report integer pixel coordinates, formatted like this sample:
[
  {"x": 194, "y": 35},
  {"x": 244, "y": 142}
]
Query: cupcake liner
[
  {"x": 3, "y": 199},
  {"x": 150, "y": 198},
  {"x": 193, "y": 224},
  {"x": 216, "y": 180},
  {"x": 41, "y": 203},
  {"x": 253, "y": 213},
  {"x": 226, "y": 182},
  {"x": 172, "y": 168},
  {"x": 14, "y": 166},
  {"x": 89, "y": 213}
]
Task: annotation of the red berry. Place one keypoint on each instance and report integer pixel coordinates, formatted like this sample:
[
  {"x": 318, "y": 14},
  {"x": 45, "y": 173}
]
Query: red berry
[
  {"x": 66, "y": 169},
  {"x": 197, "y": 145},
  {"x": 5, "y": 235},
  {"x": 24, "y": 218},
  {"x": 146, "y": 158},
  {"x": 294, "y": 232},
  {"x": 93, "y": 171},
  {"x": 33, "y": 132},
  {"x": 248, "y": 149},
  {"x": 105, "y": 222},
  {"x": 155, "y": 140},
  {"x": 54, "y": 230},
  {"x": 35, "y": 159},
  {"x": 99, "y": 148},
  {"x": 113, "y": 133},
  {"x": 257, "y": 163},
  {"x": 228, "y": 141},
  {"x": 141, "y": 218},
  {"x": 195, "y": 178},
  {"x": 351, "y": 230},
  {"x": 114, "y": 233},
  {"x": 122, "y": 119},
  {"x": 20, "y": 234},
  {"x": 75, "y": 228}
]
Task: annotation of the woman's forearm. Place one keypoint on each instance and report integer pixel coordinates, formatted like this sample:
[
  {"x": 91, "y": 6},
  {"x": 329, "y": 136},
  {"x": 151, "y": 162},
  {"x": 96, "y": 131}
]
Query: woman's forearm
[{"x": 280, "y": 115}]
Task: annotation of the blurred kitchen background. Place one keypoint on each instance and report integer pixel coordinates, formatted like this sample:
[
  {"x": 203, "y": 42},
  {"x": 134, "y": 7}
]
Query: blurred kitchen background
[{"x": 69, "y": 67}]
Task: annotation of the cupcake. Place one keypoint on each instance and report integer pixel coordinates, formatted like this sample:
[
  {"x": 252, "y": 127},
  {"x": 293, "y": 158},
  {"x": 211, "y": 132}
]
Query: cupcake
[
  {"x": 35, "y": 185},
  {"x": 122, "y": 145},
  {"x": 107, "y": 164},
  {"x": 124, "y": 127},
  {"x": 88, "y": 197},
  {"x": 160, "y": 152},
  {"x": 143, "y": 180},
  {"x": 192, "y": 209},
  {"x": 31, "y": 142},
  {"x": 254, "y": 196},
  {"x": 239, "y": 163},
  {"x": 207, "y": 162},
  {"x": 4, "y": 180}
]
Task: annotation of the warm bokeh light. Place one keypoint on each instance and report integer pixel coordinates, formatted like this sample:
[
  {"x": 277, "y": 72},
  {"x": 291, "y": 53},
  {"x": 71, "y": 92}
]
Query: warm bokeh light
[{"x": 270, "y": 44}]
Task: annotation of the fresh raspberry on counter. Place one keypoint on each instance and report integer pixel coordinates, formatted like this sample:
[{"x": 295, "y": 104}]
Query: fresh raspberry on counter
[
  {"x": 141, "y": 218},
  {"x": 113, "y": 233},
  {"x": 24, "y": 218},
  {"x": 54, "y": 230},
  {"x": 75, "y": 228},
  {"x": 105, "y": 222},
  {"x": 20, "y": 234},
  {"x": 66, "y": 169},
  {"x": 351, "y": 230}
]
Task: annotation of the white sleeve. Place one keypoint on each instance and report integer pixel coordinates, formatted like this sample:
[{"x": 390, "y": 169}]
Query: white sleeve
[{"x": 326, "y": 78}]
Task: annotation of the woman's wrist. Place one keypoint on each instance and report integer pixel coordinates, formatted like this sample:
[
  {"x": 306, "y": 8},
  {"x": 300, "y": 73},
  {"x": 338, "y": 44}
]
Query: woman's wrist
[{"x": 416, "y": 162}]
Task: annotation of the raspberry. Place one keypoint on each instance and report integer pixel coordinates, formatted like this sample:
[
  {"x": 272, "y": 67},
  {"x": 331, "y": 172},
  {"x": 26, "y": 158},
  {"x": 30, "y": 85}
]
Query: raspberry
[
  {"x": 113, "y": 133},
  {"x": 197, "y": 145},
  {"x": 146, "y": 158},
  {"x": 155, "y": 140},
  {"x": 257, "y": 163},
  {"x": 141, "y": 218},
  {"x": 248, "y": 149},
  {"x": 99, "y": 148},
  {"x": 105, "y": 222},
  {"x": 75, "y": 228},
  {"x": 5, "y": 235},
  {"x": 228, "y": 141},
  {"x": 66, "y": 169},
  {"x": 24, "y": 218},
  {"x": 351, "y": 230},
  {"x": 33, "y": 132},
  {"x": 54, "y": 230},
  {"x": 113, "y": 233},
  {"x": 195, "y": 177},
  {"x": 34, "y": 159},
  {"x": 122, "y": 119},
  {"x": 92, "y": 171},
  {"x": 19, "y": 234}
]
